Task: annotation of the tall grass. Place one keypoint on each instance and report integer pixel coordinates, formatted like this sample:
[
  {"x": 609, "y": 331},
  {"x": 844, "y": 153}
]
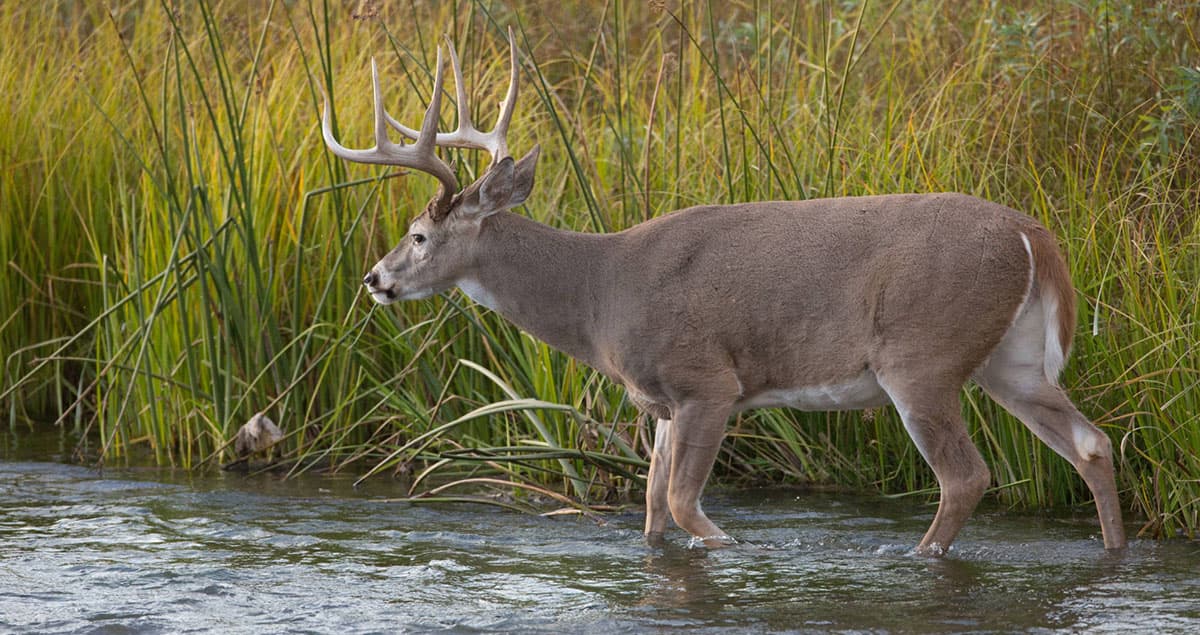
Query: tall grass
[{"x": 182, "y": 252}]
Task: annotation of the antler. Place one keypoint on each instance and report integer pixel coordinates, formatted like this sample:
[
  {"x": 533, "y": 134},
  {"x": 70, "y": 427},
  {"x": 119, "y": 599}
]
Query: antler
[
  {"x": 421, "y": 154},
  {"x": 467, "y": 135}
]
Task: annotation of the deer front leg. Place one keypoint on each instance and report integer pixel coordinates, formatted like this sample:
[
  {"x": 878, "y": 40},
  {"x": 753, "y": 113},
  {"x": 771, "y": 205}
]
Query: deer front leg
[
  {"x": 657, "y": 510},
  {"x": 695, "y": 439}
]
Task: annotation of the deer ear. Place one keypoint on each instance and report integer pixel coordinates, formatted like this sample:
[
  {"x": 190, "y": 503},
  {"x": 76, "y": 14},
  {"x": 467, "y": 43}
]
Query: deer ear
[
  {"x": 490, "y": 193},
  {"x": 523, "y": 177},
  {"x": 504, "y": 186},
  {"x": 495, "y": 188}
]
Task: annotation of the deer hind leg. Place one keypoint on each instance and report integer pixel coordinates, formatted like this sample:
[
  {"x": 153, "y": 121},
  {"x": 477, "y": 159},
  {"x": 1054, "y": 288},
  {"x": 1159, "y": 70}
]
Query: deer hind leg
[
  {"x": 657, "y": 510},
  {"x": 1021, "y": 387},
  {"x": 696, "y": 433},
  {"x": 937, "y": 428}
]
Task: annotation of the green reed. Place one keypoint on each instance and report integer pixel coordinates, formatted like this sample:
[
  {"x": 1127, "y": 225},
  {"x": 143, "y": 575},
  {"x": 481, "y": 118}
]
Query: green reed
[{"x": 182, "y": 252}]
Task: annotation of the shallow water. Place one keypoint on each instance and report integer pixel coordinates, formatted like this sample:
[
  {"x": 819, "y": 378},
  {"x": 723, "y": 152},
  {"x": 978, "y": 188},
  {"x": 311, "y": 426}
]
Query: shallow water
[{"x": 134, "y": 552}]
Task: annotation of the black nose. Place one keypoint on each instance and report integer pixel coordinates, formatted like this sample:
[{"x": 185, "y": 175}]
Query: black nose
[{"x": 371, "y": 279}]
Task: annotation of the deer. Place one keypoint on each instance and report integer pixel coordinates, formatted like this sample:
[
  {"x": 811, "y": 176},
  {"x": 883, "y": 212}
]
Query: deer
[{"x": 842, "y": 304}]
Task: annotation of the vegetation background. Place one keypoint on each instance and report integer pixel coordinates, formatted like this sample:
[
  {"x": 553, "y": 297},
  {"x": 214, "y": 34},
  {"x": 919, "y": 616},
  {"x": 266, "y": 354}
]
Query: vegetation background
[{"x": 181, "y": 252}]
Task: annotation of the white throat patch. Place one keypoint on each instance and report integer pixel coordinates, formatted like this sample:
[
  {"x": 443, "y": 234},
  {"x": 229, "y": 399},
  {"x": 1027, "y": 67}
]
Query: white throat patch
[{"x": 477, "y": 293}]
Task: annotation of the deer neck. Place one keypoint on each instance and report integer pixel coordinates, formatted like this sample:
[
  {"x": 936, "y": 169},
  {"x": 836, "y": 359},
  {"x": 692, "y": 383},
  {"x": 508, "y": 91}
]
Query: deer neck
[{"x": 543, "y": 280}]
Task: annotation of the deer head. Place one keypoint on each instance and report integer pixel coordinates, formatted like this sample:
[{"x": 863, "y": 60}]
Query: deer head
[{"x": 438, "y": 250}]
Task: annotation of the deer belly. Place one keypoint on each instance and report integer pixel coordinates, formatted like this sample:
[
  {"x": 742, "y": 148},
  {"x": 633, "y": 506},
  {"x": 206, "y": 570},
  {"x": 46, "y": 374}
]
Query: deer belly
[{"x": 857, "y": 393}]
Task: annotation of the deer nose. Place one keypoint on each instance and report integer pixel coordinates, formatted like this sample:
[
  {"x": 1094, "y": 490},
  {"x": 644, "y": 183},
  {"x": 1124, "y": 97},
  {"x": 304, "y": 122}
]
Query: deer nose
[{"x": 371, "y": 279}]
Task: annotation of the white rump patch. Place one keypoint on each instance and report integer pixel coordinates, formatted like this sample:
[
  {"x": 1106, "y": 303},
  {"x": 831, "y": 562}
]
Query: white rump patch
[
  {"x": 1053, "y": 355},
  {"x": 1055, "y": 359},
  {"x": 1028, "y": 249},
  {"x": 858, "y": 393},
  {"x": 1032, "y": 276}
]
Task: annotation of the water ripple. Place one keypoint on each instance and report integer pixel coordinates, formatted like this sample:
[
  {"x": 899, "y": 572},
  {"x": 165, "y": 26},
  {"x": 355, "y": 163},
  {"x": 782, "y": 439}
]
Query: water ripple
[{"x": 125, "y": 553}]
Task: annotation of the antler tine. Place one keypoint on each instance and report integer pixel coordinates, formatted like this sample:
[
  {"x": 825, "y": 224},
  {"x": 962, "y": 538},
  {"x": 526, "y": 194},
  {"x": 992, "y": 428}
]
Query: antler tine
[
  {"x": 466, "y": 135},
  {"x": 466, "y": 127},
  {"x": 420, "y": 155},
  {"x": 428, "y": 140},
  {"x": 510, "y": 98},
  {"x": 428, "y": 136}
]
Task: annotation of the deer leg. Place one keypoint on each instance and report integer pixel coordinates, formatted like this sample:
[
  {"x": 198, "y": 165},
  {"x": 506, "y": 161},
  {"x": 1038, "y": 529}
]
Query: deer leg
[
  {"x": 1046, "y": 410},
  {"x": 698, "y": 429},
  {"x": 940, "y": 435},
  {"x": 657, "y": 510}
]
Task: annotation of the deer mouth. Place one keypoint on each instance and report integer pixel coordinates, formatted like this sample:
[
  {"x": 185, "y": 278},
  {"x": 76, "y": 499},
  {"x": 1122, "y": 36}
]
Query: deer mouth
[{"x": 383, "y": 296}]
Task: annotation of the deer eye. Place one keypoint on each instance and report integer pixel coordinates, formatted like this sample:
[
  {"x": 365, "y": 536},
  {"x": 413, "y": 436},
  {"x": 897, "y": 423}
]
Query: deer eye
[{"x": 418, "y": 239}]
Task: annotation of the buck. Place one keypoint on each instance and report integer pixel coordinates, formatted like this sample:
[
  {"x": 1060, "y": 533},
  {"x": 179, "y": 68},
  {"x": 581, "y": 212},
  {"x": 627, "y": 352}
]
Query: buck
[{"x": 836, "y": 304}]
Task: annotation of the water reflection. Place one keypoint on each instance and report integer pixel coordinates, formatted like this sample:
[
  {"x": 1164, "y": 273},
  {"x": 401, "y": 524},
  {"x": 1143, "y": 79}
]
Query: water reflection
[{"x": 678, "y": 577}]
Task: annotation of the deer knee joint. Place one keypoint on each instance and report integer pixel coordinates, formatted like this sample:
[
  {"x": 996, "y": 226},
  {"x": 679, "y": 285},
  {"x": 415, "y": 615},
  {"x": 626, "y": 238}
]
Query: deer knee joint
[
  {"x": 683, "y": 508},
  {"x": 1091, "y": 443},
  {"x": 979, "y": 480}
]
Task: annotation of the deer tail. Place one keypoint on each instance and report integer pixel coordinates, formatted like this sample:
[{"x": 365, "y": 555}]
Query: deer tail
[{"x": 1052, "y": 283}]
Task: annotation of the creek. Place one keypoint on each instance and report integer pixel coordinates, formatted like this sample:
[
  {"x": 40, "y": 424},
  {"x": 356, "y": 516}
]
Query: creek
[{"x": 150, "y": 551}]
